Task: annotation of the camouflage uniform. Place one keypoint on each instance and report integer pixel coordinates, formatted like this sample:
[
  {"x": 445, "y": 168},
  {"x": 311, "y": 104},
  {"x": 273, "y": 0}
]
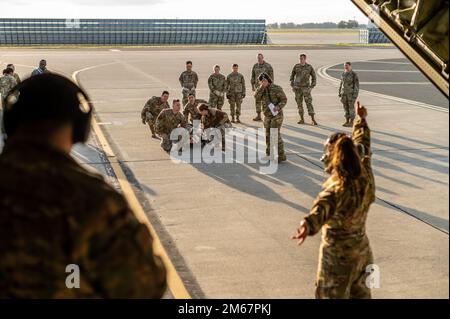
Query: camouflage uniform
[
  {"x": 273, "y": 94},
  {"x": 166, "y": 122},
  {"x": 188, "y": 81},
  {"x": 54, "y": 213},
  {"x": 348, "y": 92},
  {"x": 216, "y": 119},
  {"x": 303, "y": 80},
  {"x": 17, "y": 77},
  {"x": 257, "y": 70},
  {"x": 217, "y": 88},
  {"x": 235, "y": 92},
  {"x": 7, "y": 82},
  {"x": 341, "y": 212},
  {"x": 151, "y": 110},
  {"x": 191, "y": 112}
]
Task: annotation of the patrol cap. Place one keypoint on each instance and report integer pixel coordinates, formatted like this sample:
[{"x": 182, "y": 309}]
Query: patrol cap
[
  {"x": 48, "y": 97},
  {"x": 264, "y": 76}
]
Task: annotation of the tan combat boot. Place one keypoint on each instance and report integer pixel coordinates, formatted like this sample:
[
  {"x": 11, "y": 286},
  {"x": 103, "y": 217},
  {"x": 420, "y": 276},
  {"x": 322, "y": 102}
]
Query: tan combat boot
[
  {"x": 346, "y": 123},
  {"x": 232, "y": 119},
  {"x": 258, "y": 118},
  {"x": 238, "y": 120},
  {"x": 302, "y": 120},
  {"x": 313, "y": 120}
]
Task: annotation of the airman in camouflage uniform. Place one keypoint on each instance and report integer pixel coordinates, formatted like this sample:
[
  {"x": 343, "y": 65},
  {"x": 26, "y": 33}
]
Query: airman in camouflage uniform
[
  {"x": 7, "y": 82},
  {"x": 16, "y": 76},
  {"x": 348, "y": 92},
  {"x": 190, "y": 110},
  {"x": 55, "y": 213},
  {"x": 167, "y": 121},
  {"x": 188, "y": 80},
  {"x": 235, "y": 93},
  {"x": 151, "y": 110},
  {"x": 341, "y": 210},
  {"x": 214, "y": 118},
  {"x": 303, "y": 80},
  {"x": 259, "y": 68},
  {"x": 270, "y": 93},
  {"x": 217, "y": 88}
]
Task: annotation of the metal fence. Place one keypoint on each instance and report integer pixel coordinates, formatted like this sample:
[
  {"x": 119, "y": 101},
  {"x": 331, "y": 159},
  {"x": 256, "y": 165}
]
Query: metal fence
[
  {"x": 130, "y": 32},
  {"x": 371, "y": 35}
]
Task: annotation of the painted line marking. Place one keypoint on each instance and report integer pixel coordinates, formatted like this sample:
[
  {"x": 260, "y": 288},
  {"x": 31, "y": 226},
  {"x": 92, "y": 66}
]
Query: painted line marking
[
  {"x": 378, "y": 71},
  {"x": 395, "y": 83},
  {"x": 174, "y": 281},
  {"x": 387, "y": 62},
  {"x": 323, "y": 74}
]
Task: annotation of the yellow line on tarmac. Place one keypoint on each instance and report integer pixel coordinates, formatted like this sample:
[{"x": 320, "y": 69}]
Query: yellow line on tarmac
[{"x": 174, "y": 281}]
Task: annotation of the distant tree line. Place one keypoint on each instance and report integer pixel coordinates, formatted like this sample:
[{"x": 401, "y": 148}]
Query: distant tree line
[{"x": 350, "y": 24}]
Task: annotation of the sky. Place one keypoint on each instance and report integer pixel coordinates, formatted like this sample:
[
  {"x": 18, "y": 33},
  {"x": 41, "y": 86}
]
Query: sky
[{"x": 298, "y": 11}]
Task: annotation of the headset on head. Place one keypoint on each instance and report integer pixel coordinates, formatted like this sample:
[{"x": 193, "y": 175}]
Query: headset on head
[{"x": 14, "y": 111}]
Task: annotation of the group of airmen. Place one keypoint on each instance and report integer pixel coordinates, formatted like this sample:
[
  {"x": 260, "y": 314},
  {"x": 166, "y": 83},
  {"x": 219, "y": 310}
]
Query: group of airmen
[
  {"x": 74, "y": 216},
  {"x": 10, "y": 78},
  {"x": 303, "y": 80}
]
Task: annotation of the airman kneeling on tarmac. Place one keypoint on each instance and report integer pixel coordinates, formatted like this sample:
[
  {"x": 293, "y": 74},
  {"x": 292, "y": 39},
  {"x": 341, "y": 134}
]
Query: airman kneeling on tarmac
[
  {"x": 214, "y": 119},
  {"x": 190, "y": 110},
  {"x": 152, "y": 108},
  {"x": 167, "y": 121}
]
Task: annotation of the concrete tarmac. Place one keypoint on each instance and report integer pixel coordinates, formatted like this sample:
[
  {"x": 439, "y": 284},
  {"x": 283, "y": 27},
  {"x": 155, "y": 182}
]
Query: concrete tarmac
[{"x": 226, "y": 226}]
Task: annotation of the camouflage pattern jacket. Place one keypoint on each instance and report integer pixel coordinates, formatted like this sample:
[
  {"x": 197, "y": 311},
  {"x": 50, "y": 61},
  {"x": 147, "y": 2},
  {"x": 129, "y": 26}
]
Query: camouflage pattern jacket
[
  {"x": 303, "y": 76},
  {"x": 54, "y": 213},
  {"x": 217, "y": 84},
  {"x": 257, "y": 70},
  {"x": 272, "y": 94},
  {"x": 215, "y": 119},
  {"x": 17, "y": 77},
  {"x": 188, "y": 80},
  {"x": 235, "y": 84},
  {"x": 341, "y": 210},
  {"x": 7, "y": 82},
  {"x": 349, "y": 84},
  {"x": 167, "y": 121},
  {"x": 152, "y": 108},
  {"x": 191, "y": 112}
]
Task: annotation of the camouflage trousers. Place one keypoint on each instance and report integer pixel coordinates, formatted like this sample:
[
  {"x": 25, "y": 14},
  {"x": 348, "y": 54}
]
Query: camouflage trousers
[
  {"x": 258, "y": 105},
  {"x": 216, "y": 101},
  {"x": 342, "y": 272},
  {"x": 235, "y": 101},
  {"x": 348, "y": 102},
  {"x": 301, "y": 94},
  {"x": 271, "y": 122},
  {"x": 167, "y": 143}
]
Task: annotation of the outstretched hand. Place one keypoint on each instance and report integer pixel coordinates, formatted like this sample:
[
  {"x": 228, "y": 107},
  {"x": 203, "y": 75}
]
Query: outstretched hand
[
  {"x": 302, "y": 233},
  {"x": 360, "y": 110}
]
